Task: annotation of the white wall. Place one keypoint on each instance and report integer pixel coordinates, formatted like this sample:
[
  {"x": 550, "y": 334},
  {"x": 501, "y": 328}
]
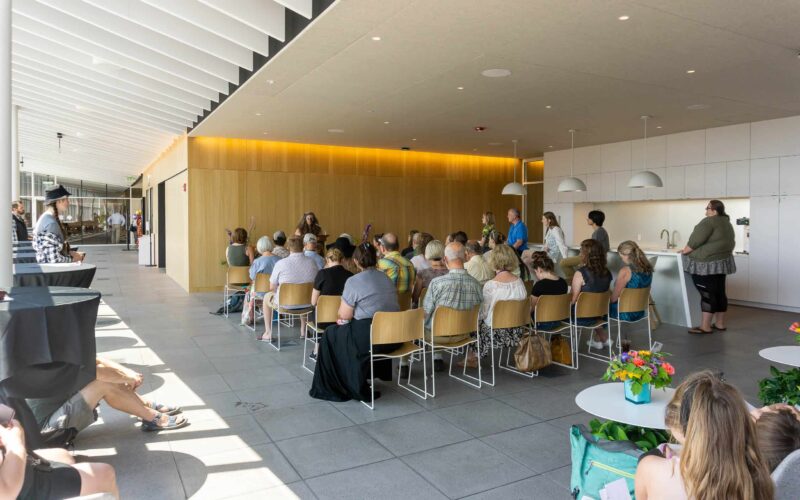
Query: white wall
[{"x": 176, "y": 213}]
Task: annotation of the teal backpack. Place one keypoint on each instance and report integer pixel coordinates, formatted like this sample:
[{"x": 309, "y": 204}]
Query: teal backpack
[{"x": 596, "y": 463}]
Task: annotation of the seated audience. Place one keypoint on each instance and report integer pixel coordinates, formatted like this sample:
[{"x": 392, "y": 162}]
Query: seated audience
[
  {"x": 418, "y": 260},
  {"x": 376, "y": 242},
  {"x": 495, "y": 238},
  {"x": 592, "y": 276},
  {"x": 547, "y": 283},
  {"x": 476, "y": 265},
  {"x": 408, "y": 251},
  {"x": 719, "y": 457},
  {"x": 267, "y": 260},
  {"x": 116, "y": 385},
  {"x": 279, "y": 237},
  {"x": 396, "y": 267},
  {"x": 310, "y": 250},
  {"x": 296, "y": 268},
  {"x": 47, "y": 474},
  {"x": 434, "y": 253},
  {"x": 504, "y": 286},
  {"x": 344, "y": 244},
  {"x": 460, "y": 237},
  {"x": 342, "y": 367},
  {"x": 778, "y": 429},
  {"x": 595, "y": 220},
  {"x": 239, "y": 253},
  {"x": 331, "y": 279},
  {"x": 308, "y": 224},
  {"x": 456, "y": 290}
]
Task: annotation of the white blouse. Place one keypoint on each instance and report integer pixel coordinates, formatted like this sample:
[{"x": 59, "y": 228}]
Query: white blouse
[
  {"x": 420, "y": 262},
  {"x": 495, "y": 290}
]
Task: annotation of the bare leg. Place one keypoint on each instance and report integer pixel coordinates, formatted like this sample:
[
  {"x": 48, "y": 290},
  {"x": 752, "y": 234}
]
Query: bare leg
[
  {"x": 303, "y": 323},
  {"x": 97, "y": 478},
  {"x": 720, "y": 319},
  {"x": 267, "y": 335},
  {"x": 707, "y": 321},
  {"x": 56, "y": 455},
  {"x": 118, "y": 397},
  {"x": 600, "y": 334}
]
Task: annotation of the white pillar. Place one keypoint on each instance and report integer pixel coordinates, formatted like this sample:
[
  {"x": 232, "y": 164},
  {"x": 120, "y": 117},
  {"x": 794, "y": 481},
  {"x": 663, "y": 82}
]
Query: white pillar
[
  {"x": 15, "y": 153},
  {"x": 6, "y": 277}
]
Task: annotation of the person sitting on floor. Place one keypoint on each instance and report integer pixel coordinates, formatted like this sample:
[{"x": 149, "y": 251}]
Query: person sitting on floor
[
  {"x": 547, "y": 283},
  {"x": 342, "y": 367},
  {"x": 434, "y": 253},
  {"x": 47, "y": 474},
  {"x": 310, "y": 250},
  {"x": 279, "y": 237},
  {"x": 397, "y": 268},
  {"x": 116, "y": 385},
  {"x": 296, "y": 268},
  {"x": 476, "y": 265}
]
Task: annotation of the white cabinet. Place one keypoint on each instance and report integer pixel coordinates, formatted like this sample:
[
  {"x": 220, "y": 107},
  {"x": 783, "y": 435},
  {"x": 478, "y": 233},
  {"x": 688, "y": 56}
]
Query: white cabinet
[
  {"x": 764, "y": 177},
  {"x": 616, "y": 157},
  {"x": 788, "y": 263},
  {"x": 608, "y": 186},
  {"x": 621, "y": 190},
  {"x": 588, "y": 160},
  {"x": 551, "y": 190},
  {"x": 695, "y": 181},
  {"x": 686, "y": 148},
  {"x": 737, "y": 178},
  {"x": 790, "y": 175},
  {"x": 594, "y": 188},
  {"x": 728, "y": 143},
  {"x": 714, "y": 180},
  {"x": 738, "y": 284},
  {"x": 764, "y": 231},
  {"x": 674, "y": 184},
  {"x": 658, "y": 193}
]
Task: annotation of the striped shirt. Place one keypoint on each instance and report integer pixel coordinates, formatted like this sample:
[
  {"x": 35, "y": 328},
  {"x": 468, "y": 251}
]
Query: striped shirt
[
  {"x": 399, "y": 270},
  {"x": 456, "y": 289}
]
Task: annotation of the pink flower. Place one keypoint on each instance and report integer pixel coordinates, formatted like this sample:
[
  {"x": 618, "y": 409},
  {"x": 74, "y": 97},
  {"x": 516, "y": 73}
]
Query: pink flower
[
  {"x": 638, "y": 361},
  {"x": 668, "y": 368},
  {"x": 633, "y": 353}
]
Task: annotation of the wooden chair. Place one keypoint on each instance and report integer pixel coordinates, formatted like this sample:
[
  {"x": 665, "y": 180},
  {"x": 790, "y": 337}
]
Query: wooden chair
[
  {"x": 591, "y": 305},
  {"x": 326, "y": 311},
  {"x": 287, "y": 299},
  {"x": 237, "y": 279},
  {"x": 551, "y": 308},
  {"x": 404, "y": 300},
  {"x": 422, "y": 294},
  {"x": 408, "y": 329},
  {"x": 508, "y": 314},
  {"x": 261, "y": 286},
  {"x": 633, "y": 300},
  {"x": 457, "y": 324}
]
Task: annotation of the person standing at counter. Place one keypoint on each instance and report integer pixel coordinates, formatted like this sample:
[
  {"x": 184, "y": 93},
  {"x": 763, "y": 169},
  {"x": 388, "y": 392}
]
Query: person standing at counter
[
  {"x": 554, "y": 243},
  {"x": 518, "y": 232},
  {"x": 709, "y": 259},
  {"x": 50, "y": 235},
  {"x": 595, "y": 219}
]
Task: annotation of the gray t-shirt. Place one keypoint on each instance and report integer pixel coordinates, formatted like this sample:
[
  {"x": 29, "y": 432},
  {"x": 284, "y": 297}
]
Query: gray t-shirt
[
  {"x": 368, "y": 292},
  {"x": 600, "y": 234},
  {"x": 48, "y": 224}
]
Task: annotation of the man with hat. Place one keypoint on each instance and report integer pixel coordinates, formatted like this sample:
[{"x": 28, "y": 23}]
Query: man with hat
[
  {"x": 49, "y": 235},
  {"x": 345, "y": 245}
]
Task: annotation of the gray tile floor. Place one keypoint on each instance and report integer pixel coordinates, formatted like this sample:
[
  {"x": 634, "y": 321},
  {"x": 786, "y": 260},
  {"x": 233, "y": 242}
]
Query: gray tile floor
[{"x": 255, "y": 432}]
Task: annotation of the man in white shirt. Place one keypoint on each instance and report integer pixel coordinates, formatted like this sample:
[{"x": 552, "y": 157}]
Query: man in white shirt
[
  {"x": 310, "y": 250},
  {"x": 476, "y": 265},
  {"x": 117, "y": 222}
]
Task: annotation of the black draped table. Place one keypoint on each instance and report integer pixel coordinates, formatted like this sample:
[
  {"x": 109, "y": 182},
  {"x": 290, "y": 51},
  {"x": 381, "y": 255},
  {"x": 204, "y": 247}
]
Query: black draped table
[
  {"x": 47, "y": 345},
  {"x": 75, "y": 274},
  {"x": 24, "y": 256}
]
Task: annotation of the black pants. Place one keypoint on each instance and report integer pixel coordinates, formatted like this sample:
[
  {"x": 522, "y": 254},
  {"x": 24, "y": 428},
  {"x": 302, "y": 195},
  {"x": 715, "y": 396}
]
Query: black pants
[{"x": 712, "y": 292}]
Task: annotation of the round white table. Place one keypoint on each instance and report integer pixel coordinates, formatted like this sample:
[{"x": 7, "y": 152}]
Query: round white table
[
  {"x": 608, "y": 401},
  {"x": 783, "y": 354}
]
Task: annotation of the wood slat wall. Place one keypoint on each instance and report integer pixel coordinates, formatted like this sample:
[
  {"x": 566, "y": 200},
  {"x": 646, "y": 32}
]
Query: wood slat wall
[{"x": 231, "y": 180}]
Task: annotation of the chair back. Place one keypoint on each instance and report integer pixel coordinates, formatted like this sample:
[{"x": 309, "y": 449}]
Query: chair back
[
  {"x": 552, "y": 308},
  {"x": 294, "y": 294},
  {"x": 404, "y": 300},
  {"x": 634, "y": 300},
  {"x": 592, "y": 304},
  {"x": 786, "y": 477},
  {"x": 511, "y": 313},
  {"x": 528, "y": 286},
  {"x": 262, "y": 283},
  {"x": 422, "y": 294},
  {"x": 236, "y": 275},
  {"x": 397, "y": 327},
  {"x": 328, "y": 308},
  {"x": 449, "y": 322}
]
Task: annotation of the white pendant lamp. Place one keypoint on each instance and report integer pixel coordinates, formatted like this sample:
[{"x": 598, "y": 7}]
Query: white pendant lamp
[
  {"x": 645, "y": 178},
  {"x": 571, "y": 183},
  {"x": 515, "y": 188}
]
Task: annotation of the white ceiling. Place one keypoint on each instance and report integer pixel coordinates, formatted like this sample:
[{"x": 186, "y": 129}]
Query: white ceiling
[
  {"x": 122, "y": 78},
  {"x": 598, "y": 74}
]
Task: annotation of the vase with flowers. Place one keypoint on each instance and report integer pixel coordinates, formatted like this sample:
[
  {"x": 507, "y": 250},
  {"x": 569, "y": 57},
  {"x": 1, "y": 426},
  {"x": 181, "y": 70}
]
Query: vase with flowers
[
  {"x": 795, "y": 328},
  {"x": 639, "y": 371}
]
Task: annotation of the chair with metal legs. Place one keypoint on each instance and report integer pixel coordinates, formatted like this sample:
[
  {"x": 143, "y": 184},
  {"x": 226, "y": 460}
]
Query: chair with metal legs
[
  {"x": 508, "y": 314},
  {"x": 633, "y": 300},
  {"x": 237, "y": 279},
  {"x": 287, "y": 302},
  {"x": 261, "y": 286},
  {"x": 593, "y": 308},
  {"x": 408, "y": 329},
  {"x": 451, "y": 331},
  {"x": 326, "y": 311}
]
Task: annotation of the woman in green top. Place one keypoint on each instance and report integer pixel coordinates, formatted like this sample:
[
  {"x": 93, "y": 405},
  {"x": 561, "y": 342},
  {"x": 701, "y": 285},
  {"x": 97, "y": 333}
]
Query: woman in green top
[
  {"x": 709, "y": 258},
  {"x": 488, "y": 226}
]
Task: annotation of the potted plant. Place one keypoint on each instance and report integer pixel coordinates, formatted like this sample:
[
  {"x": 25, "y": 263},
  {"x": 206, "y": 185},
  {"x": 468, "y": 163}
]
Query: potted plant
[
  {"x": 645, "y": 439},
  {"x": 796, "y": 329},
  {"x": 640, "y": 370},
  {"x": 783, "y": 387}
]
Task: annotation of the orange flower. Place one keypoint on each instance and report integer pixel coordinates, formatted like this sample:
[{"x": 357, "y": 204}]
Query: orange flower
[
  {"x": 638, "y": 361},
  {"x": 668, "y": 368}
]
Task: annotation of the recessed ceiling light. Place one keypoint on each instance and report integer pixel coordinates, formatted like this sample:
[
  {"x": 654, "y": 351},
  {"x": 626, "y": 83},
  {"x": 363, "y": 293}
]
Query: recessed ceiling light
[
  {"x": 549, "y": 146},
  {"x": 413, "y": 139},
  {"x": 336, "y": 130},
  {"x": 478, "y": 129},
  {"x": 496, "y": 73},
  {"x": 258, "y": 114},
  {"x": 386, "y": 123},
  {"x": 265, "y": 133},
  {"x": 78, "y": 134},
  {"x": 459, "y": 88},
  {"x": 690, "y": 71},
  {"x": 695, "y": 107},
  {"x": 376, "y": 39},
  {"x": 270, "y": 82},
  {"x": 549, "y": 107},
  {"x": 624, "y": 18},
  {"x": 75, "y": 150},
  {"x": 475, "y": 149},
  {"x": 495, "y": 144},
  {"x": 658, "y": 126}
]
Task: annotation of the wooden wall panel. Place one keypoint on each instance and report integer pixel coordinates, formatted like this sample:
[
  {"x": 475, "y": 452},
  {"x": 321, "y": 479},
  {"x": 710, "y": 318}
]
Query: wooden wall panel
[{"x": 233, "y": 179}]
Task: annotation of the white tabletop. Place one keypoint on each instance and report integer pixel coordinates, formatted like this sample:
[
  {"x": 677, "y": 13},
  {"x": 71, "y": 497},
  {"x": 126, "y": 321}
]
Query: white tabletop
[
  {"x": 608, "y": 401},
  {"x": 784, "y": 354}
]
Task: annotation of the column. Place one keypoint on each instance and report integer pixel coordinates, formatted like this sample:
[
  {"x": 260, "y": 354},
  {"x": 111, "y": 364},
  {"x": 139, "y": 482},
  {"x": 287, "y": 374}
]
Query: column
[
  {"x": 6, "y": 277},
  {"x": 15, "y": 153}
]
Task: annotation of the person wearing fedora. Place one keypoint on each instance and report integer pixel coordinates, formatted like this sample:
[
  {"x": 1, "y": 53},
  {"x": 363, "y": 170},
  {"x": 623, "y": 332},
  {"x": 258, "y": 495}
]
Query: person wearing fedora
[
  {"x": 50, "y": 235},
  {"x": 345, "y": 244}
]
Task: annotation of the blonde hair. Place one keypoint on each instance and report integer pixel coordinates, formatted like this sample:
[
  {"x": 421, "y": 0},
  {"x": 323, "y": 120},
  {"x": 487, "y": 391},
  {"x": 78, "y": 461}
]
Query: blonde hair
[
  {"x": 504, "y": 258},
  {"x": 434, "y": 250},
  {"x": 335, "y": 255},
  {"x": 639, "y": 261},
  {"x": 720, "y": 456}
]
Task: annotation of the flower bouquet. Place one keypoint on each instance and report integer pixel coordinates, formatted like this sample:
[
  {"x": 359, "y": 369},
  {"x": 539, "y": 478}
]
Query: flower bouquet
[
  {"x": 640, "y": 370},
  {"x": 796, "y": 329}
]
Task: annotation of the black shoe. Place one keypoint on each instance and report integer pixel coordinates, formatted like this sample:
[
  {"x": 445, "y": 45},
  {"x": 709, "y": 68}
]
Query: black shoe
[
  {"x": 312, "y": 356},
  {"x": 404, "y": 372},
  {"x": 438, "y": 365}
]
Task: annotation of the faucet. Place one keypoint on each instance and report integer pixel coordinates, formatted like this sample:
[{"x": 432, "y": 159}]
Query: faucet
[{"x": 661, "y": 237}]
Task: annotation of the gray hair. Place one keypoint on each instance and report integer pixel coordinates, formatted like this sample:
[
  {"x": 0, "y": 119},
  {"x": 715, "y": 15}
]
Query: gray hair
[
  {"x": 455, "y": 251},
  {"x": 474, "y": 247},
  {"x": 434, "y": 250},
  {"x": 516, "y": 212},
  {"x": 264, "y": 244}
]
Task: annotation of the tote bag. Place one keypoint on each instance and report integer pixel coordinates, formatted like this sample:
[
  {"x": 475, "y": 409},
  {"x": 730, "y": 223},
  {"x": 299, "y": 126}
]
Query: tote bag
[{"x": 532, "y": 354}]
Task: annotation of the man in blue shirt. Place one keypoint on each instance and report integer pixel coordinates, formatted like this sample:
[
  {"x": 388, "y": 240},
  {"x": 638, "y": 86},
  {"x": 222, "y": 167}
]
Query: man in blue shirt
[{"x": 518, "y": 233}]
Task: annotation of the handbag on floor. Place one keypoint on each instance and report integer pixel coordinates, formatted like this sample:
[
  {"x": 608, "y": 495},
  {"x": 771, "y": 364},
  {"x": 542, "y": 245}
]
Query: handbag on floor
[
  {"x": 561, "y": 350},
  {"x": 597, "y": 462},
  {"x": 532, "y": 354}
]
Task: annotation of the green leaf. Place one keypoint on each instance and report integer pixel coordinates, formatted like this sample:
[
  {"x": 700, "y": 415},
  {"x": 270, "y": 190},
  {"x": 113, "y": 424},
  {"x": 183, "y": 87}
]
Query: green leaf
[
  {"x": 594, "y": 425},
  {"x": 644, "y": 445},
  {"x": 651, "y": 437},
  {"x": 620, "y": 434}
]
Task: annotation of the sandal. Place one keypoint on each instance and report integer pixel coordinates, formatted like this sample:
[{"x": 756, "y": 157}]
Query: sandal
[
  {"x": 715, "y": 327},
  {"x": 162, "y": 408},
  {"x": 173, "y": 422},
  {"x": 264, "y": 339},
  {"x": 697, "y": 330}
]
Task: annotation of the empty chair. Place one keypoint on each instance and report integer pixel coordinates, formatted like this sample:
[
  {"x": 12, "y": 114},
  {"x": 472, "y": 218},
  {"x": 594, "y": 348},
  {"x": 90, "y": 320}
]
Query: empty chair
[
  {"x": 591, "y": 311},
  {"x": 237, "y": 279},
  {"x": 451, "y": 331},
  {"x": 326, "y": 311},
  {"x": 287, "y": 301}
]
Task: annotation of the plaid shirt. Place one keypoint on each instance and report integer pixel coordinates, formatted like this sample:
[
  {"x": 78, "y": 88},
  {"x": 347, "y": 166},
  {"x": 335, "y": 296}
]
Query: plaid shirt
[
  {"x": 48, "y": 248},
  {"x": 456, "y": 289},
  {"x": 399, "y": 270}
]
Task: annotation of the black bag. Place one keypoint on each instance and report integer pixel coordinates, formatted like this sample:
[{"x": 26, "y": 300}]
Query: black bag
[
  {"x": 59, "y": 438},
  {"x": 235, "y": 304}
]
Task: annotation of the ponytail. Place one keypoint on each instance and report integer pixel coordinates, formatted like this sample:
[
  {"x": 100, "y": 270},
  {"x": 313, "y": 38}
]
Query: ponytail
[
  {"x": 62, "y": 227},
  {"x": 639, "y": 261}
]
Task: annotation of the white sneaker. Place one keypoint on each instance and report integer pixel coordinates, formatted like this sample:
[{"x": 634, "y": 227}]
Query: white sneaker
[
  {"x": 608, "y": 343},
  {"x": 594, "y": 344}
]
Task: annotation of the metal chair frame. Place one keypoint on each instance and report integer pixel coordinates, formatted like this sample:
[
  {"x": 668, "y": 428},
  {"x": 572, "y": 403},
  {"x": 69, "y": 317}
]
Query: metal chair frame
[
  {"x": 281, "y": 308},
  {"x": 521, "y": 318},
  {"x": 233, "y": 282},
  {"x": 261, "y": 285},
  {"x": 457, "y": 317},
  {"x": 631, "y": 305},
  {"x": 597, "y": 308},
  {"x": 322, "y": 314}
]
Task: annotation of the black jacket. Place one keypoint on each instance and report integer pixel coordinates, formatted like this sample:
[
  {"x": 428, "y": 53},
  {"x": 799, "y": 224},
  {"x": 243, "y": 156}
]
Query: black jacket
[{"x": 20, "y": 227}]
